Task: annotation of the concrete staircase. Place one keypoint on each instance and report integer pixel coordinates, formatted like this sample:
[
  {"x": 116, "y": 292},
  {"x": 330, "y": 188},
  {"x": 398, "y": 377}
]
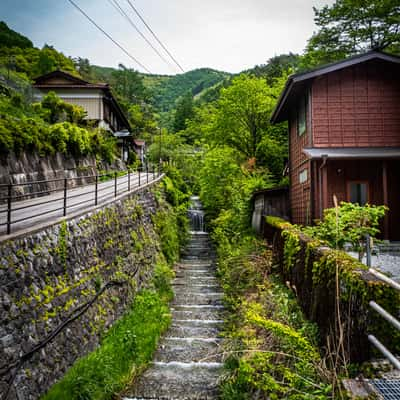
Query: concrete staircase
[{"x": 188, "y": 362}]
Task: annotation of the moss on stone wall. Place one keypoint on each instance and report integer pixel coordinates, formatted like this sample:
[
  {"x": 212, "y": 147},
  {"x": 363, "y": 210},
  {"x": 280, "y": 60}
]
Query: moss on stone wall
[
  {"x": 312, "y": 269},
  {"x": 46, "y": 275}
]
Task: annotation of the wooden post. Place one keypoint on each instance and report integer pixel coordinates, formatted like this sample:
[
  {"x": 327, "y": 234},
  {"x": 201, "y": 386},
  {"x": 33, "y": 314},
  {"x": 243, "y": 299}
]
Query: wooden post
[{"x": 385, "y": 200}]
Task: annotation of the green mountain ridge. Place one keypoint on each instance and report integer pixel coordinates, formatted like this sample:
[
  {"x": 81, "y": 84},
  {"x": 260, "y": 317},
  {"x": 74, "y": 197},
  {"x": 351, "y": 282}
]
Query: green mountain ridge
[{"x": 167, "y": 89}]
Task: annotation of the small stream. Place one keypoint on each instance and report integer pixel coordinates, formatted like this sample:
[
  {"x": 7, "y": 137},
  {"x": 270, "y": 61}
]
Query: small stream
[
  {"x": 188, "y": 362},
  {"x": 196, "y": 215}
]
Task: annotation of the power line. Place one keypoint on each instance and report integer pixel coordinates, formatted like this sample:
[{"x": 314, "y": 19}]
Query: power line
[
  {"x": 122, "y": 12},
  {"x": 154, "y": 35},
  {"x": 106, "y": 34}
]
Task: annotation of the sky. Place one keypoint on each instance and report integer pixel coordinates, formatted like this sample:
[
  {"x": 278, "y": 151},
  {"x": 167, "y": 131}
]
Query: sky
[{"x": 228, "y": 35}]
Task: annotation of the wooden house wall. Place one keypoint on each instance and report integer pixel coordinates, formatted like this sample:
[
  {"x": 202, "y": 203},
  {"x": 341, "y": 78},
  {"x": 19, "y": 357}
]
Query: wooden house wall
[
  {"x": 300, "y": 193},
  {"x": 358, "y": 106}
]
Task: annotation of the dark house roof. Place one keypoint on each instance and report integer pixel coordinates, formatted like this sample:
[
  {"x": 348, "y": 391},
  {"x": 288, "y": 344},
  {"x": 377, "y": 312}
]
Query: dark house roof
[
  {"x": 297, "y": 83},
  {"x": 43, "y": 81},
  {"x": 73, "y": 82}
]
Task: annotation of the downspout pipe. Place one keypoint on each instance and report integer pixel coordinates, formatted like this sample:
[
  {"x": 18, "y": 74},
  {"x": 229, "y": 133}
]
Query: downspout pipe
[{"x": 324, "y": 161}]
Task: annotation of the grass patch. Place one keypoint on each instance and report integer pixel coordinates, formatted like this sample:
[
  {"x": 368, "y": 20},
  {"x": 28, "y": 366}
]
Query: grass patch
[
  {"x": 126, "y": 348},
  {"x": 270, "y": 347}
]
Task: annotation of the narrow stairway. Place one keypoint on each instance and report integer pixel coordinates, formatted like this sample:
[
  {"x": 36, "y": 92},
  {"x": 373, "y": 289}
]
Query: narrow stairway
[{"x": 188, "y": 362}]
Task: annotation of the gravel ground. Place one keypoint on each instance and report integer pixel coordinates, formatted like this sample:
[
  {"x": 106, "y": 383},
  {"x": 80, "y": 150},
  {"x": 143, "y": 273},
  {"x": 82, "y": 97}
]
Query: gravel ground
[{"x": 385, "y": 262}]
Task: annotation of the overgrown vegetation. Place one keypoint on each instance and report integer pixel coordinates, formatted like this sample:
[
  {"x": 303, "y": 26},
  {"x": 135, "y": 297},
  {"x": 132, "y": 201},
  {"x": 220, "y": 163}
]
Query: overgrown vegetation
[{"x": 270, "y": 349}]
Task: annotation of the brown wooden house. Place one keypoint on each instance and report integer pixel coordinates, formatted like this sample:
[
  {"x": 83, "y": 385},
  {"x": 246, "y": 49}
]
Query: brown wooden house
[{"x": 344, "y": 137}]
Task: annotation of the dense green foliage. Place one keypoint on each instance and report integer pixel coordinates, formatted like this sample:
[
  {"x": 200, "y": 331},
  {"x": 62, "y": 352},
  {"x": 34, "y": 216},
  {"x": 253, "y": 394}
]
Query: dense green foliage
[
  {"x": 18, "y": 54},
  {"x": 348, "y": 224},
  {"x": 10, "y": 38},
  {"x": 49, "y": 127},
  {"x": 184, "y": 111},
  {"x": 348, "y": 27},
  {"x": 167, "y": 92}
]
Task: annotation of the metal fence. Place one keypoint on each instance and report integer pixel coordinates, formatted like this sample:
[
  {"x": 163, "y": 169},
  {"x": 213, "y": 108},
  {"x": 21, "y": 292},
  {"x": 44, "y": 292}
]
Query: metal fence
[
  {"x": 384, "y": 314},
  {"x": 22, "y": 203}
]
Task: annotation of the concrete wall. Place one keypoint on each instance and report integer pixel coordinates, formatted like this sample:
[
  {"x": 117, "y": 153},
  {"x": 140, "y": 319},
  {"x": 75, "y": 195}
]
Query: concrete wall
[{"x": 46, "y": 275}]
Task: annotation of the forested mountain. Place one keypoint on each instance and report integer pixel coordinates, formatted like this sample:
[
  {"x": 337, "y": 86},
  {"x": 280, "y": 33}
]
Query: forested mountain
[{"x": 168, "y": 91}]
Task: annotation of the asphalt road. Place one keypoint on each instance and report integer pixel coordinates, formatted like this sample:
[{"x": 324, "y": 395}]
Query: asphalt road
[{"x": 28, "y": 213}]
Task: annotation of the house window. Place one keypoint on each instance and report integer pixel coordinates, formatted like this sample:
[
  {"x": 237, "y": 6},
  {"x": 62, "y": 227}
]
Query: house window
[
  {"x": 302, "y": 115},
  {"x": 358, "y": 192},
  {"x": 303, "y": 176}
]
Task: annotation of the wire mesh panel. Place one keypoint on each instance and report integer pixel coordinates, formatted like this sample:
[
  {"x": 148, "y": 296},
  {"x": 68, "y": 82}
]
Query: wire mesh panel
[{"x": 388, "y": 388}]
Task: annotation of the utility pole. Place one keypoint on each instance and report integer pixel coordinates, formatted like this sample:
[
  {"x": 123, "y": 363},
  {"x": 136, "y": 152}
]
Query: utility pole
[{"x": 159, "y": 150}]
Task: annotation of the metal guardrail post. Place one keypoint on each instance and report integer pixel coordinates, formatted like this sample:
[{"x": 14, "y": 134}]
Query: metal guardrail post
[
  {"x": 139, "y": 168},
  {"x": 115, "y": 184},
  {"x": 9, "y": 209},
  {"x": 129, "y": 180},
  {"x": 384, "y": 351},
  {"x": 147, "y": 173},
  {"x": 383, "y": 313},
  {"x": 96, "y": 186},
  {"x": 65, "y": 197},
  {"x": 154, "y": 172}
]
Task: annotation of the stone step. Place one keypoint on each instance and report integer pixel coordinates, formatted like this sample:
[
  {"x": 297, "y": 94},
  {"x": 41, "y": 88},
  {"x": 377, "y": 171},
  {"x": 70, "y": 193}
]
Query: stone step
[
  {"x": 198, "y": 298},
  {"x": 176, "y": 380},
  {"x": 198, "y": 281},
  {"x": 189, "y": 330},
  {"x": 189, "y": 349},
  {"x": 196, "y": 288},
  {"x": 194, "y": 274},
  {"x": 197, "y": 313}
]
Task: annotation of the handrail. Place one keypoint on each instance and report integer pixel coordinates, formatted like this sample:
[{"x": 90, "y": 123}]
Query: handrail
[
  {"x": 118, "y": 183},
  {"x": 383, "y": 313}
]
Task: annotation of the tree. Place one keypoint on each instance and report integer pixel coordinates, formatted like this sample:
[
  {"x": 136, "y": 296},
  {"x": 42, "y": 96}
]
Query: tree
[
  {"x": 276, "y": 67},
  {"x": 83, "y": 67},
  {"x": 243, "y": 112},
  {"x": 10, "y": 38},
  {"x": 128, "y": 84},
  {"x": 352, "y": 26},
  {"x": 184, "y": 111}
]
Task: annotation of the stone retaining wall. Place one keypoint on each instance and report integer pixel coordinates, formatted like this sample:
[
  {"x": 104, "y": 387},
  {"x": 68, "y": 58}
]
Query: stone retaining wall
[
  {"x": 30, "y": 167},
  {"x": 46, "y": 275},
  {"x": 310, "y": 270}
]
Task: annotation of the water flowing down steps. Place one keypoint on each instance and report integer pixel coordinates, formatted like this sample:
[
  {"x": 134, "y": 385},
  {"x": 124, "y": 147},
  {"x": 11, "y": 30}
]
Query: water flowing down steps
[{"x": 187, "y": 364}]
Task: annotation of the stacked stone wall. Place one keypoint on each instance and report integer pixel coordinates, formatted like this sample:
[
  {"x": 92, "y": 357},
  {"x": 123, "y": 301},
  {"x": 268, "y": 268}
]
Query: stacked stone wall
[{"x": 46, "y": 276}]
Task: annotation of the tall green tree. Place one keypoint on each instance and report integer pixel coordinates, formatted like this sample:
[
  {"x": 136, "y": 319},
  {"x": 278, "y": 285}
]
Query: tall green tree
[
  {"x": 128, "y": 84},
  {"x": 351, "y": 26},
  {"x": 184, "y": 111},
  {"x": 243, "y": 112}
]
